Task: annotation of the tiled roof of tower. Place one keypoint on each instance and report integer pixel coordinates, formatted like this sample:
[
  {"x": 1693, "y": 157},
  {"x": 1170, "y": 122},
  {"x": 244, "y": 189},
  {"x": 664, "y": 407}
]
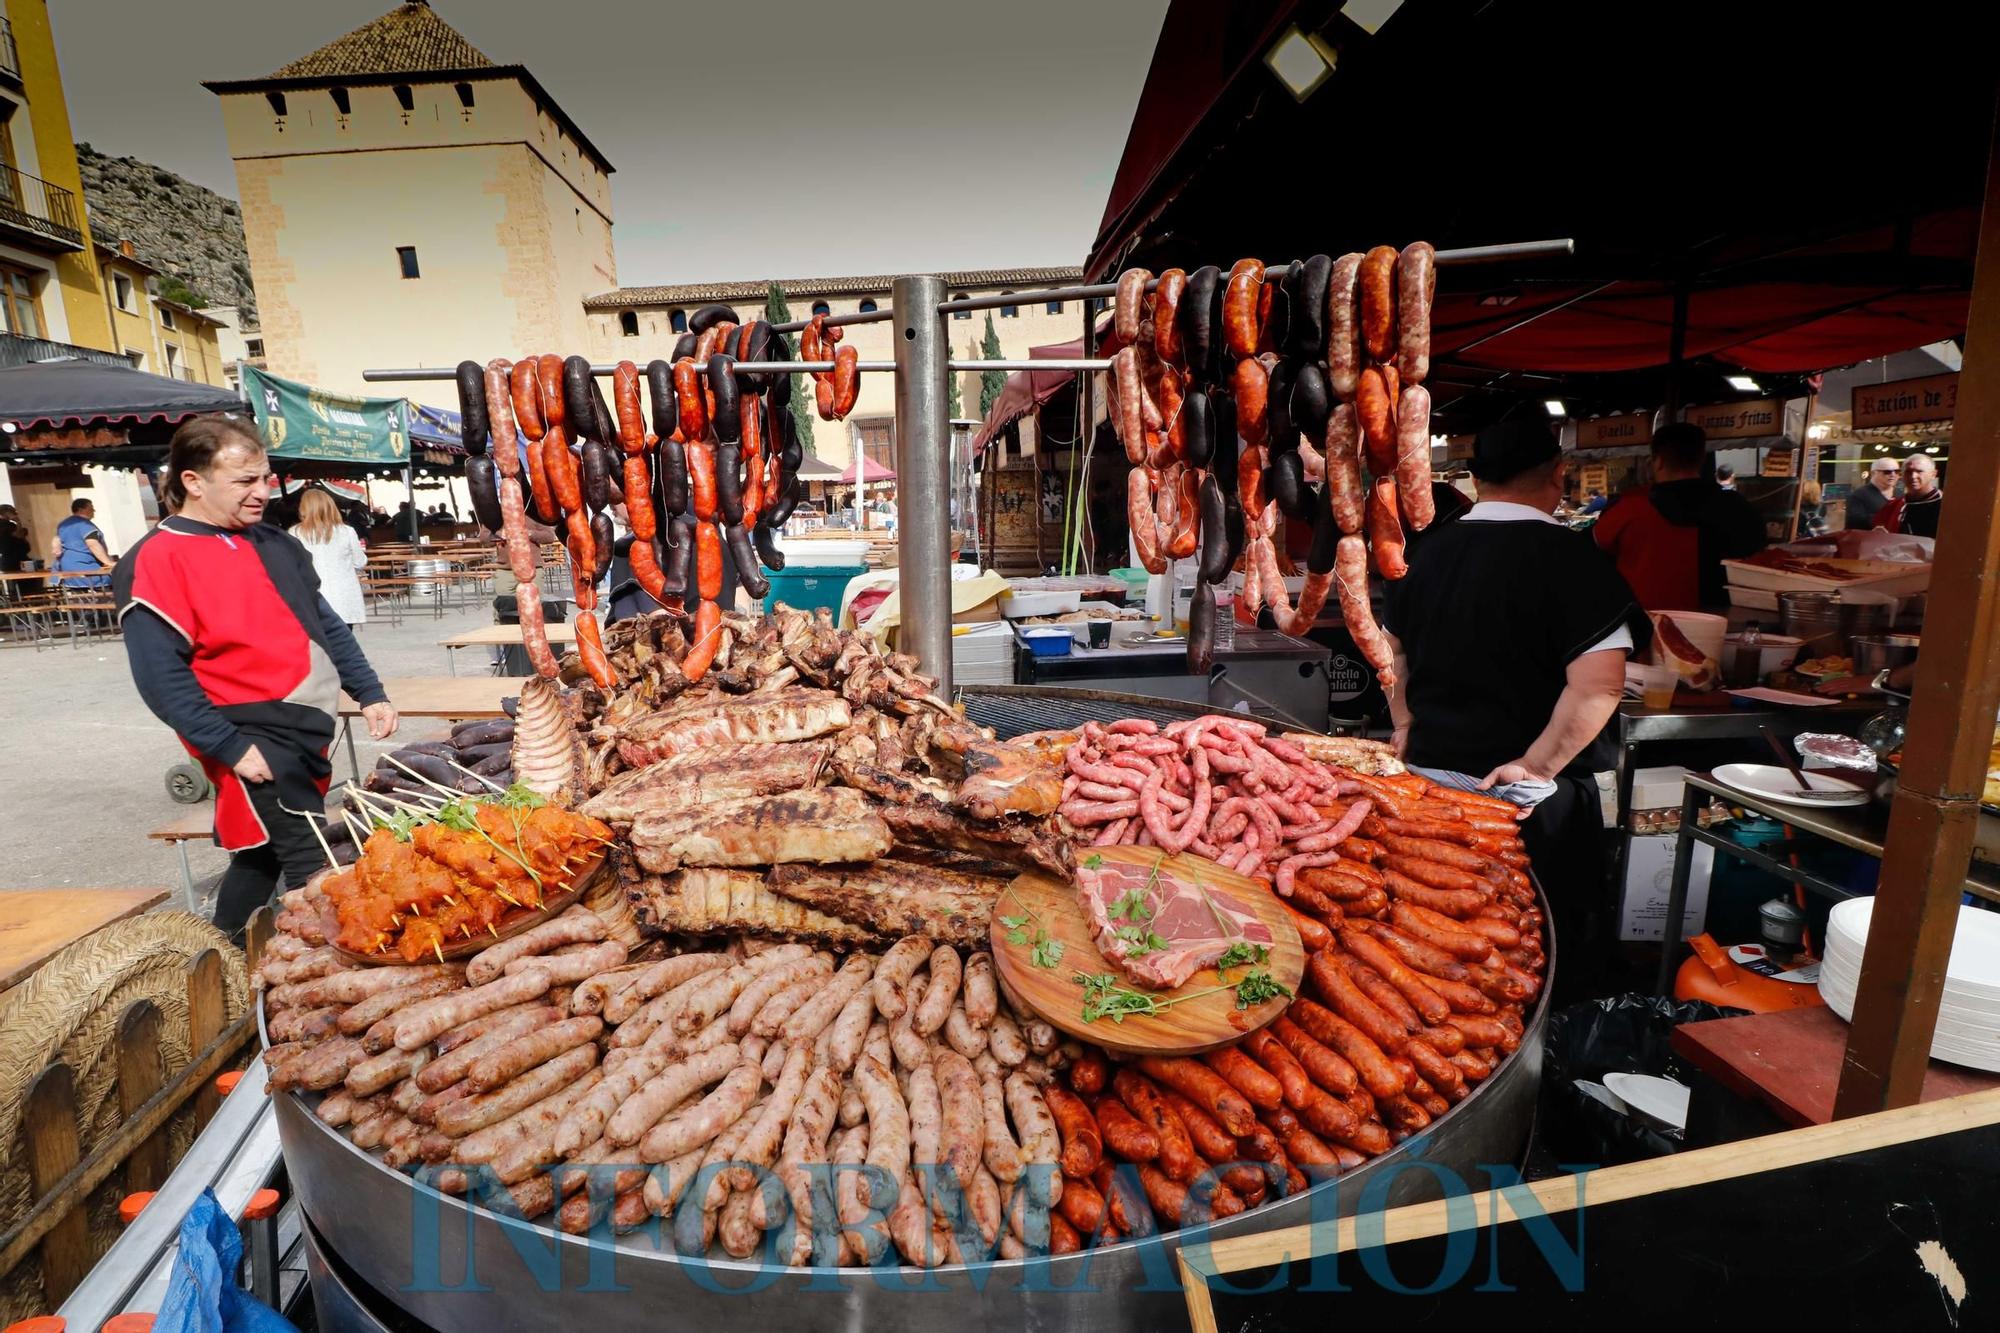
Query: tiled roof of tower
[
  {"x": 695, "y": 293},
  {"x": 409, "y": 39}
]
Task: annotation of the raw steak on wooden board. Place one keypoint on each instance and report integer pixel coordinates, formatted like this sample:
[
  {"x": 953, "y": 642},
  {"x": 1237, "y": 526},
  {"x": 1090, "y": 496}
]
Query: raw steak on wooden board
[{"x": 1194, "y": 923}]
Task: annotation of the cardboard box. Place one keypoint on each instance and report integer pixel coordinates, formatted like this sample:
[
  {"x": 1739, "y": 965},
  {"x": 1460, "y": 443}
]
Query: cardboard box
[{"x": 1649, "y": 872}]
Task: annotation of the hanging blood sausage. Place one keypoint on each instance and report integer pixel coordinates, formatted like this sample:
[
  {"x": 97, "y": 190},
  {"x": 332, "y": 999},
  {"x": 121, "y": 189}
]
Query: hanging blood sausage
[
  {"x": 472, "y": 407},
  {"x": 482, "y": 479}
]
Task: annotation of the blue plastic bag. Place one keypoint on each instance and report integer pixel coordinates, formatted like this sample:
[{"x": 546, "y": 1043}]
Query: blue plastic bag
[{"x": 202, "y": 1295}]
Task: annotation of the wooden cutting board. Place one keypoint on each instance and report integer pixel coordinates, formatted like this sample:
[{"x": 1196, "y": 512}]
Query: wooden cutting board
[{"x": 1195, "y": 1025}]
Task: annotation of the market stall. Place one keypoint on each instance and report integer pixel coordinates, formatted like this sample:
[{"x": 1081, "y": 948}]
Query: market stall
[{"x": 551, "y": 1050}]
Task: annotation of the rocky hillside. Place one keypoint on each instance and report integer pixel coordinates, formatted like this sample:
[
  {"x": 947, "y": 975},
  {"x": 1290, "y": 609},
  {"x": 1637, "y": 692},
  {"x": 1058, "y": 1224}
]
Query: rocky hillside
[{"x": 183, "y": 229}]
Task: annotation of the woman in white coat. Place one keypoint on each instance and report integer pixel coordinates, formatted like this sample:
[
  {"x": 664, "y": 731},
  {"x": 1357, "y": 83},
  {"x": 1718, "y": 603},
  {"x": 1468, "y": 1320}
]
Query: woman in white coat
[{"x": 336, "y": 554}]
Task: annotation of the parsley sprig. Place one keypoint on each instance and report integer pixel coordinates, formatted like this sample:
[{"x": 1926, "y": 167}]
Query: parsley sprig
[
  {"x": 1105, "y": 997},
  {"x": 1046, "y": 950}
]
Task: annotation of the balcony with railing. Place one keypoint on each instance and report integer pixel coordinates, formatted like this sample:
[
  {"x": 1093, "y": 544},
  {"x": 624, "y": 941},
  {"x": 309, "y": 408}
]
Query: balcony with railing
[
  {"x": 37, "y": 214},
  {"x": 10, "y": 55}
]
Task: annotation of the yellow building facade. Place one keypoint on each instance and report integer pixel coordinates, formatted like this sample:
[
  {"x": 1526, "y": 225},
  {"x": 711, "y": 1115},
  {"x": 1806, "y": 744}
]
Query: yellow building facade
[
  {"x": 159, "y": 336},
  {"x": 407, "y": 201}
]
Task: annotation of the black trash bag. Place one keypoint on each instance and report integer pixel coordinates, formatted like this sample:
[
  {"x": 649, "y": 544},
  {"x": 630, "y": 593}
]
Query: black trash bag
[{"x": 1623, "y": 1034}]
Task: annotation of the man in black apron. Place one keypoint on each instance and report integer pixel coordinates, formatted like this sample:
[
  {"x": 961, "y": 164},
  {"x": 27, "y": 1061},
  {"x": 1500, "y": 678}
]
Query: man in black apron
[{"x": 1511, "y": 634}]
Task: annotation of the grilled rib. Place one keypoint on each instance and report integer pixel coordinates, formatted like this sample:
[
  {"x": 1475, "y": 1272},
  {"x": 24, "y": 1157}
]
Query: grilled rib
[
  {"x": 896, "y": 898},
  {"x": 826, "y": 825},
  {"x": 707, "y": 901},
  {"x": 694, "y": 778}
]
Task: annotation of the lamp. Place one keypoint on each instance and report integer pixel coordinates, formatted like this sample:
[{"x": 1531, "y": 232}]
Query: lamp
[
  {"x": 1302, "y": 63},
  {"x": 1744, "y": 384},
  {"x": 1555, "y": 407}
]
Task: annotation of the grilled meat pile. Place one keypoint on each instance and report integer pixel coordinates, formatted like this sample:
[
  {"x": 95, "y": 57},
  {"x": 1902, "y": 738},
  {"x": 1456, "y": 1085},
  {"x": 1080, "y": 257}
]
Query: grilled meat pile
[{"x": 810, "y": 787}]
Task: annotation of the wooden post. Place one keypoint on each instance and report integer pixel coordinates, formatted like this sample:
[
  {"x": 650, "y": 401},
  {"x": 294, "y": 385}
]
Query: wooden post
[
  {"x": 141, "y": 1072},
  {"x": 1931, "y": 823},
  {"x": 49, "y": 1126},
  {"x": 205, "y": 1010},
  {"x": 257, "y": 936}
]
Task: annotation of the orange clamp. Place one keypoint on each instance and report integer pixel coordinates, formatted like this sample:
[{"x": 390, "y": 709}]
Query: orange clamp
[
  {"x": 263, "y": 1204},
  {"x": 226, "y": 1083},
  {"x": 128, "y": 1323},
  {"x": 129, "y": 1206},
  {"x": 41, "y": 1323}
]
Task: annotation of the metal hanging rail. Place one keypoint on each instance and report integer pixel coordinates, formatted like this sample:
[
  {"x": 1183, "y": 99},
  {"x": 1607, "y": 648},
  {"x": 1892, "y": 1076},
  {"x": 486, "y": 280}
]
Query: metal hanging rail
[
  {"x": 1474, "y": 254},
  {"x": 923, "y": 437}
]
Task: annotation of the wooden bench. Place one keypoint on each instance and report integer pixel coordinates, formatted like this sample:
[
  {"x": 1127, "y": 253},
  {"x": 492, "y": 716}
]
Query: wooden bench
[{"x": 198, "y": 822}]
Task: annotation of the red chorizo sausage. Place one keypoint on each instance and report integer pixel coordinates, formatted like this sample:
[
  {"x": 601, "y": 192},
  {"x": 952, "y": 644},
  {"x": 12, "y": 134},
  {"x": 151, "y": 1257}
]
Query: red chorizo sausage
[
  {"x": 1124, "y": 1134},
  {"x": 1455, "y": 903},
  {"x": 1381, "y": 1078},
  {"x": 1385, "y": 529},
  {"x": 1129, "y": 306},
  {"x": 707, "y": 638},
  {"x": 1428, "y": 1004},
  {"x": 1142, "y": 1098},
  {"x": 1166, "y": 317},
  {"x": 1327, "y": 1068},
  {"x": 1250, "y": 384},
  {"x": 524, "y": 388},
  {"x": 1422, "y": 924},
  {"x": 1087, "y": 1073},
  {"x": 1313, "y": 933},
  {"x": 1083, "y": 1145},
  {"x": 1258, "y": 1085},
  {"x": 590, "y": 647},
  {"x": 1351, "y": 582},
  {"x": 1239, "y": 308},
  {"x": 1378, "y": 303},
  {"x": 1209, "y": 1090},
  {"x": 1292, "y": 1078},
  {"x": 690, "y": 401}
]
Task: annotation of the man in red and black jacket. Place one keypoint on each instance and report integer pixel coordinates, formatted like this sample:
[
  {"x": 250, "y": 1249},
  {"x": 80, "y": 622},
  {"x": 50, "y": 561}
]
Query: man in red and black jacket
[
  {"x": 1670, "y": 539},
  {"x": 231, "y": 645}
]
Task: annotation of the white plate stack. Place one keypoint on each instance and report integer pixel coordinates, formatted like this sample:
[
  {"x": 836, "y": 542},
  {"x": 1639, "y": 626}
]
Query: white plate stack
[
  {"x": 983, "y": 654},
  {"x": 1968, "y": 1027}
]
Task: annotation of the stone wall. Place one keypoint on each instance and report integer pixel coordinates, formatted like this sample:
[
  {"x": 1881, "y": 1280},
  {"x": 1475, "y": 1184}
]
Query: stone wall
[{"x": 183, "y": 229}]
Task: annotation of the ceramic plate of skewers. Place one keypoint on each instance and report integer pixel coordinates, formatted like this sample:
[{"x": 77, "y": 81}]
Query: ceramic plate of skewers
[{"x": 446, "y": 877}]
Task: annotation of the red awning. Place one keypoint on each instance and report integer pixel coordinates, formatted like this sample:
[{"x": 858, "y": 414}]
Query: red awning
[
  {"x": 1027, "y": 390},
  {"x": 1807, "y": 232},
  {"x": 870, "y": 471}
]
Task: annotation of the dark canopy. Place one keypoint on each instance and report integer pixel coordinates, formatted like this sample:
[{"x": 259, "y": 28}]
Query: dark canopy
[
  {"x": 1812, "y": 220},
  {"x": 66, "y": 393}
]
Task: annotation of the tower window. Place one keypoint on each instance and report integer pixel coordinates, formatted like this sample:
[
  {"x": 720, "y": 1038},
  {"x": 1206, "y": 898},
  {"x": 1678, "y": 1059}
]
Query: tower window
[
  {"x": 677, "y": 320},
  {"x": 1009, "y": 311},
  {"x": 822, "y": 308},
  {"x": 406, "y": 97},
  {"x": 1055, "y": 307},
  {"x": 464, "y": 91},
  {"x": 868, "y": 307},
  {"x": 628, "y": 323},
  {"x": 277, "y": 101},
  {"x": 406, "y": 258},
  {"x": 960, "y": 314},
  {"x": 341, "y": 102}
]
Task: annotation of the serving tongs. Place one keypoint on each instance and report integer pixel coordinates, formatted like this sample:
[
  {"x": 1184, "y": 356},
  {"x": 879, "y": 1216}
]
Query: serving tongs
[{"x": 1806, "y": 791}]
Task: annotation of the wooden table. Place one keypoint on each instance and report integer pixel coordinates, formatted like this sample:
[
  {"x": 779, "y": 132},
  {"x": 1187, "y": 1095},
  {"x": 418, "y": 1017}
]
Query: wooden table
[
  {"x": 1790, "y": 1062},
  {"x": 454, "y": 697},
  {"x": 498, "y": 636},
  {"x": 37, "y": 923}
]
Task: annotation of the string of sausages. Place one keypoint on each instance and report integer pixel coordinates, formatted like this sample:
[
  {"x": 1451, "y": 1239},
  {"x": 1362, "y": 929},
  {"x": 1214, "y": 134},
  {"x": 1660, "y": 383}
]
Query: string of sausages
[
  {"x": 1244, "y": 396},
  {"x": 718, "y": 466}
]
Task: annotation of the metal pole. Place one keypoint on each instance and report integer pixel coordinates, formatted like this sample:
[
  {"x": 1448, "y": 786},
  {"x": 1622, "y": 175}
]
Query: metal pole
[
  {"x": 410, "y": 487},
  {"x": 1676, "y": 351},
  {"x": 923, "y": 474},
  {"x": 1934, "y": 816},
  {"x": 1086, "y": 433}
]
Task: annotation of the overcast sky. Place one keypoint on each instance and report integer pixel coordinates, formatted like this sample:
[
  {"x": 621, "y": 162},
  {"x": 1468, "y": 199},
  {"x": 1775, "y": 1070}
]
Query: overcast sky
[{"x": 862, "y": 136}]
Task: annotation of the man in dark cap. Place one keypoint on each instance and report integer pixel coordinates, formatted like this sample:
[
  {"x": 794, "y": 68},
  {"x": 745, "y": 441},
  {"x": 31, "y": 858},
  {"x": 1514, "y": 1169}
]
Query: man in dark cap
[
  {"x": 1670, "y": 540},
  {"x": 1511, "y": 634}
]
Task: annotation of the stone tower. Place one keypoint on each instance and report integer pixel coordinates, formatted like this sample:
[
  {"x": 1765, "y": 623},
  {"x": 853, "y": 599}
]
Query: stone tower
[{"x": 407, "y": 201}]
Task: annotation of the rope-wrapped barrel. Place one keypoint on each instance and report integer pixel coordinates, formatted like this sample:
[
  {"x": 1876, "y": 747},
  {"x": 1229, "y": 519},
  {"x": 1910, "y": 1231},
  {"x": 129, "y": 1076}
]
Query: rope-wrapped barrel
[{"x": 69, "y": 1010}]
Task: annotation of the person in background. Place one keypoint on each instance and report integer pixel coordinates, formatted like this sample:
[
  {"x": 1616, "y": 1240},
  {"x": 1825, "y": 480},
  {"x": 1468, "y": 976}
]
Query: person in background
[
  {"x": 15, "y": 548},
  {"x": 1597, "y": 503},
  {"x": 231, "y": 644},
  {"x": 1511, "y": 634},
  {"x": 1867, "y": 500},
  {"x": 1725, "y": 476},
  {"x": 336, "y": 554},
  {"x": 1669, "y": 540},
  {"x": 79, "y": 544},
  {"x": 1916, "y": 510},
  {"x": 1812, "y": 509}
]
